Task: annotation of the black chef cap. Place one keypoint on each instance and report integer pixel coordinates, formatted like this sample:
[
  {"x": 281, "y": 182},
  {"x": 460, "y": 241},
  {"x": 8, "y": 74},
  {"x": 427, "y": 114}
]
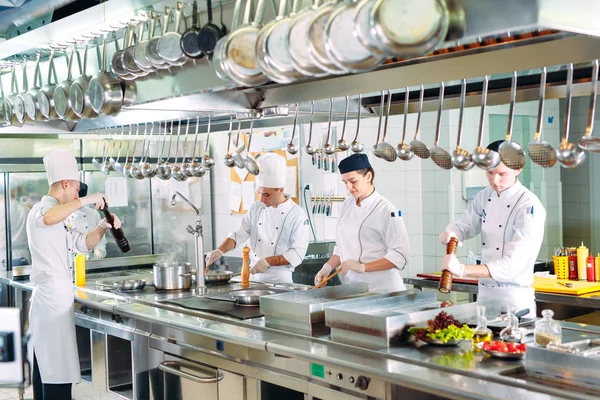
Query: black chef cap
[
  {"x": 83, "y": 189},
  {"x": 354, "y": 163},
  {"x": 494, "y": 146}
]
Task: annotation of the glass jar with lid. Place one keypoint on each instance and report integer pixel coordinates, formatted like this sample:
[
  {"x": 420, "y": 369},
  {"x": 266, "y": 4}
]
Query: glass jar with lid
[{"x": 547, "y": 330}]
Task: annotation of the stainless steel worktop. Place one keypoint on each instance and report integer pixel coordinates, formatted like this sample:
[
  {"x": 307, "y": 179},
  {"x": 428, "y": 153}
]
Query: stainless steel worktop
[{"x": 452, "y": 372}]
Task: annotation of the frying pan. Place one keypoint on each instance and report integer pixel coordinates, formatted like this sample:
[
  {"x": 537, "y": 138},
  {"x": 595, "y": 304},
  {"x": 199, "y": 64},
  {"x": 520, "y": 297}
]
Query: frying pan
[
  {"x": 21, "y": 95},
  {"x": 219, "y": 54},
  {"x": 210, "y": 33},
  {"x": 152, "y": 44},
  {"x": 169, "y": 45},
  {"x": 128, "y": 55},
  {"x": 298, "y": 42},
  {"x": 218, "y": 277},
  {"x": 116, "y": 62},
  {"x": 17, "y": 109},
  {"x": 250, "y": 297},
  {"x": 189, "y": 38},
  {"x": 139, "y": 51},
  {"x": 105, "y": 90},
  {"x": 316, "y": 39},
  {"x": 78, "y": 93},
  {"x": 362, "y": 31},
  {"x": 126, "y": 285},
  {"x": 30, "y": 97},
  {"x": 61, "y": 92}
]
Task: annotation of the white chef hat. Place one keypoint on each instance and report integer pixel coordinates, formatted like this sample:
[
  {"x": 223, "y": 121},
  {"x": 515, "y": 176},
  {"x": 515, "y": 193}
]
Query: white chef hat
[
  {"x": 272, "y": 171},
  {"x": 61, "y": 165}
]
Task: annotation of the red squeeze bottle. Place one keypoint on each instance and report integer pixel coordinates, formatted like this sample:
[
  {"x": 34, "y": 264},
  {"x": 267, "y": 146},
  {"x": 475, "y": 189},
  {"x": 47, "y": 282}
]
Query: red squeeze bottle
[
  {"x": 591, "y": 269},
  {"x": 445, "y": 285},
  {"x": 573, "y": 267}
]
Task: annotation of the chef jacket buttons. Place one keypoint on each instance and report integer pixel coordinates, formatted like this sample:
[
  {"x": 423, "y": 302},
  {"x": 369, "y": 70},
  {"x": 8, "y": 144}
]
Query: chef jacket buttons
[
  {"x": 489, "y": 199},
  {"x": 508, "y": 206},
  {"x": 497, "y": 248},
  {"x": 276, "y": 227},
  {"x": 483, "y": 244},
  {"x": 259, "y": 240},
  {"x": 271, "y": 243}
]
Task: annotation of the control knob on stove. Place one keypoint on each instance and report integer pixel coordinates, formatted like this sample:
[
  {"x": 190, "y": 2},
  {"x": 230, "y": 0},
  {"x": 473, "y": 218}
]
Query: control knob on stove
[{"x": 362, "y": 382}]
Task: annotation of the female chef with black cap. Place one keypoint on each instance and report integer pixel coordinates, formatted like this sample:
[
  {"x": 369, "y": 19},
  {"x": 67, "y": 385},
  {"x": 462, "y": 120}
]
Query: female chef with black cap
[{"x": 371, "y": 241}]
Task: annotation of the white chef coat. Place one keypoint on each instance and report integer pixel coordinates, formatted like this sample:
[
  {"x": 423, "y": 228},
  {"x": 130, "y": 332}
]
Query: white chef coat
[
  {"x": 371, "y": 231},
  {"x": 274, "y": 231},
  {"x": 51, "y": 318},
  {"x": 18, "y": 216},
  {"x": 84, "y": 220},
  {"x": 512, "y": 230}
]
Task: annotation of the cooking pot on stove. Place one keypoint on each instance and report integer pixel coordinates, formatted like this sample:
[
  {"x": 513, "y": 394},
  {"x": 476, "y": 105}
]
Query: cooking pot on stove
[{"x": 172, "y": 275}]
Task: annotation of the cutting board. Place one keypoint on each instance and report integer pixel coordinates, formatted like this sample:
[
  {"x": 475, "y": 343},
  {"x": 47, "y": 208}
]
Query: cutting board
[
  {"x": 549, "y": 285},
  {"x": 437, "y": 275}
]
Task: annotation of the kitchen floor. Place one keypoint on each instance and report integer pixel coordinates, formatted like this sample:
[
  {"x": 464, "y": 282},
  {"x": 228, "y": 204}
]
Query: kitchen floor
[{"x": 82, "y": 391}]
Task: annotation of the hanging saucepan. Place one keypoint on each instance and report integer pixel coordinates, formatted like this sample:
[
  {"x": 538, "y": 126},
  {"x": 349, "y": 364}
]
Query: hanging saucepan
[
  {"x": 22, "y": 96},
  {"x": 362, "y": 13},
  {"x": 219, "y": 58},
  {"x": 316, "y": 39},
  {"x": 128, "y": 55},
  {"x": 189, "y": 38},
  {"x": 409, "y": 31},
  {"x": 345, "y": 50},
  {"x": 61, "y": 92},
  {"x": 31, "y": 106},
  {"x": 17, "y": 108},
  {"x": 79, "y": 99},
  {"x": 261, "y": 58},
  {"x": 298, "y": 42},
  {"x": 223, "y": 26},
  {"x": 241, "y": 52},
  {"x": 105, "y": 91},
  {"x": 139, "y": 52},
  {"x": 210, "y": 33},
  {"x": 45, "y": 96},
  {"x": 116, "y": 62},
  {"x": 169, "y": 45},
  {"x": 152, "y": 45},
  {"x": 4, "y": 105}
]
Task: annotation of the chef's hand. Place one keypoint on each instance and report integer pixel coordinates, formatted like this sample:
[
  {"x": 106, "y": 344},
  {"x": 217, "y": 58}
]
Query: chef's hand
[
  {"x": 447, "y": 235},
  {"x": 98, "y": 253},
  {"x": 260, "y": 266},
  {"x": 105, "y": 225},
  {"x": 351, "y": 265},
  {"x": 451, "y": 263},
  {"x": 323, "y": 273},
  {"x": 98, "y": 199},
  {"x": 213, "y": 256}
]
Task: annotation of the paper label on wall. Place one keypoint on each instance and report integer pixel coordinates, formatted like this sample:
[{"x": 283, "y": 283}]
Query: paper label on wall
[
  {"x": 290, "y": 181},
  {"x": 258, "y": 143},
  {"x": 116, "y": 190},
  {"x": 241, "y": 172},
  {"x": 235, "y": 196},
  {"x": 248, "y": 194}
]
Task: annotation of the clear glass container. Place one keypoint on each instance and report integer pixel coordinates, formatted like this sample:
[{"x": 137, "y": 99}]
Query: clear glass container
[
  {"x": 547, "y": 330},
  {"x": 482, "y": 332},
  {"x": 511, "y": 333}
]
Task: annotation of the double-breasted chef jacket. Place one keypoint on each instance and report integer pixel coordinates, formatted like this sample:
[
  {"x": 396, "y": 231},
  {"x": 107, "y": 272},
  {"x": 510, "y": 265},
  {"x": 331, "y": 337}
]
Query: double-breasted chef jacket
[
  {"x": 84, "y": 220},
  {"x": 512, "y": 230},
  {"x": 274, "y": 231},
  {"x": 368, "y": 232},
  {"x": 51, "y": 316}
]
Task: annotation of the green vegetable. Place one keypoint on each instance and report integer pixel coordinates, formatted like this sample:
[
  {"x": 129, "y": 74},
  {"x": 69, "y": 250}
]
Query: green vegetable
[{"x": 452, "y": 333}]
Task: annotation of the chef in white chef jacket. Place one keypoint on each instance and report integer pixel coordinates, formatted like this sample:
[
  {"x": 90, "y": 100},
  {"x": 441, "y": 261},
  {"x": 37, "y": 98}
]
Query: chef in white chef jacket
[
  {"x": 52, "y": 325},
  {"x": 371, "y": 240},
  {"x": 276, "y": 226},
  {"x": 86, "y": 219},
  {"x": 511, "y": 221}
]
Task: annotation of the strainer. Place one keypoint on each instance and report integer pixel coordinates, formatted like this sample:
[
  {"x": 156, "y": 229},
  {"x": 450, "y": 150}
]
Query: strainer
[
  {"x": 440, "y": 156},
  {"x": 511, "y": 153},
  {"x": 291, "y": 147},
  {"x": 587, "y": 141},
  {"x": 483, "y": 157},
  {"x": 342, "y": 144},
  {"x": 540, "y": 151},
  {"x": 356, "y": 146},
  {"x": 418, "y": 147},
  {"x": 308, "y": 148},
  {"x": 461, "y": 158},
  {"x": 386, "y": 150},
  {"x": 569, "y": 155},
  {"x": 403, "y": 150}
]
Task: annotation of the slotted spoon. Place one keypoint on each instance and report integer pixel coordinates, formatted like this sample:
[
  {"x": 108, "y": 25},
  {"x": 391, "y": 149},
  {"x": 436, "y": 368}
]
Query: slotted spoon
[
  {"x": 511, "y": 153},
  {"x": 440, "y": 156},
  {"x": 483, "y": 157},
  {"x": 386, "y": 150},
  {"x": 540, "y": 151},
  {"x": 461, "y": 158},
  {"x": 403, "y": 150},
  {"x": 587, "y": 141},
  {"x": 418, "y": 147}
]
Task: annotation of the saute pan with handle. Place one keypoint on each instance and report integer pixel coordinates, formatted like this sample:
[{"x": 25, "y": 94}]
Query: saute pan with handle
[
  {"x": 210, "y": 33},
  {"x": 189, "y": 38},
  {"x": 250, "y": 297},
  {"x": 104, "y": 89},
  {"x": 79, "y": 99},
  {"x": 219, "y": 277}
]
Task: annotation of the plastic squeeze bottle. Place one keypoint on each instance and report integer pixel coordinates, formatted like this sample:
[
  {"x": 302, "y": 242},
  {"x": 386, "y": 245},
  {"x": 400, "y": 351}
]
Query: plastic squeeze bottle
[
  {"x": 598, "y": 268},
  {"x": 582, "y": 255},
  {"x": 79, "y": 270}
]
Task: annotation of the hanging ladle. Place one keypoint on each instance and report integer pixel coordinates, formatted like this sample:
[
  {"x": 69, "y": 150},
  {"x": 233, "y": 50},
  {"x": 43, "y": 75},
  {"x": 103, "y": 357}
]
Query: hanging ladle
[
  {"x": 483, "y": 157},
  {"x": 308, "y": 148},
  {"x": 207, "y": 160},
  {"x": 418, "y": 147},
  {"x": 342, "y": 144},
  {"x": 403, "y": 149},
  {"x": 511, "y": 153},
  {"x": 95, "y": 161},
  {"x": 165, "y": 172},
  {"x": 328, "y": 148},
  {"x": 587, "y": 141},
  {"x": 160, "y": 162},
  {"x": 106, "y": 167},
  {"x": 117, "y": 165},
  {"x": 386, "y": 150},
  {"x": 147, "y": 169},
  {"x": 136, "y": 169},
  {"x": 540, "y": 151},
  {"x": 461, "y": 158},
  {"x": 124, "y": 171},
  {"x": 291, "y": 147},
  {"x": 356, "y": 146},
  {"x": 249, "y": 161},
  {"x": 112, "y": 143},
  {"x": 195, "y": 168},
  {"x": 440, "y": 156},
  {"x": 185, "y": 165},
  {"x": 128, "y": 169},
  {"x": 569, "y": 155},
  {"x": 237, "y": 154},
  {"x": 178, "y": 172},
  {"x": 228, "y": 159}
]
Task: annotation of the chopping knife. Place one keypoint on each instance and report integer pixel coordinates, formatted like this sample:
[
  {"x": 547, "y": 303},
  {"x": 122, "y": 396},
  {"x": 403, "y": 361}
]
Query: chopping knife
[{"x": 565, "y": 284}]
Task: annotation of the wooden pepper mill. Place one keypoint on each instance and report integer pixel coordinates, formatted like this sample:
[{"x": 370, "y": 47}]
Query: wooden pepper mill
[
  {"x": 245, "y": 267},
  {"x": 446, "y": 280}
]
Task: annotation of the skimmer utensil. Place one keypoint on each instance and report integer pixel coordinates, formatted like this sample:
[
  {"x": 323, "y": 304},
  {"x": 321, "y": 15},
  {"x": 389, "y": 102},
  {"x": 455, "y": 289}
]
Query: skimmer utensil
[
  {"x": 237, "y": 154},
  {"x": 461, "y": 158},
  {"x": 328, "y": 148},
  {"x": 511, "y": 153},
  {"x": 207, "y": 160},
  {"x": 308, "y": 148},
  {"x": 403, "y": 150},
  {"x": 356, "y": 146},
  {"x": 386, "y": 150},
  {"x": 587, "y": 141},
  {"x": 249, "y": 161},
  {"x": 540, "y": 151},
  {"x": 291, "y": 147},
  {"x": 418, "y": 147},
  {"x": 569, "y": 155},
  {"x": 483, "y": 157},
  {"x": 342, "y": 144},
  {"x": 440, "y": 156},
  {"x": 381, "y": 105},
  {"x": 228, "y": 159}
]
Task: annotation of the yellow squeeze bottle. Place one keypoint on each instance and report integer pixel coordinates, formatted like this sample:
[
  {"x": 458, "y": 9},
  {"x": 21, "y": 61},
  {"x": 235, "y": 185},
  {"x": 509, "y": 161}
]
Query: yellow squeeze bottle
[
  {"x": 598, "y": 268},
  {"x": 582, "y": 255},
  {"x": 79, "y": 270}
]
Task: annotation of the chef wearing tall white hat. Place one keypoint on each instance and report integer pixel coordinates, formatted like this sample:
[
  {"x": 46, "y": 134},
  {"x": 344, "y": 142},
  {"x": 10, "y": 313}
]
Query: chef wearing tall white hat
[
  {"x": 56, "y": 362},
  {"x": 276, "y": 226}
]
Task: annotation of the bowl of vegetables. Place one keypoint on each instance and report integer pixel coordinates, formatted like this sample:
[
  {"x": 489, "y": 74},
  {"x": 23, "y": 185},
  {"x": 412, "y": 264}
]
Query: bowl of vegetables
[
  {"x": 443, "y": 330},
  {"x": 506, "y": 350}
]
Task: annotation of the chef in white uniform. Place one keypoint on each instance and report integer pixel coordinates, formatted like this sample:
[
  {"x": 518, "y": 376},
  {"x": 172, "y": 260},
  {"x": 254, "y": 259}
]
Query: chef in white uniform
[
  {"x": 276, "y": 226},
  {"x": 511, "y": 221},
  {"x": 56, "y": 363},
  {"x": 86, "y": 219},
  {"x": 371, "y": 240}
]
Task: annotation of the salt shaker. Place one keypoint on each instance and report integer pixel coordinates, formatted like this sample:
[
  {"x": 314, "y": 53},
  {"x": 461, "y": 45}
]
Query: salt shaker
[{"x": 547, "y": 330}]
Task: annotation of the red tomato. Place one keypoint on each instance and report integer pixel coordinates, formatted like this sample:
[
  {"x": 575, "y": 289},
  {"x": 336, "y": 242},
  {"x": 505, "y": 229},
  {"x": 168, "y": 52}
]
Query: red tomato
[{"x": 502, "y": 346}]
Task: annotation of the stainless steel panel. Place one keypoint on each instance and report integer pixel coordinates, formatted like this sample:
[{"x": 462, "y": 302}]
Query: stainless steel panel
[
  {"x": 233, "y": 386},
  {"x": 84, "y": 350},
  {"x": 177, "y": 387},
  {"x": 119, "y": 366},
  {"x": 99, "y": 360}
]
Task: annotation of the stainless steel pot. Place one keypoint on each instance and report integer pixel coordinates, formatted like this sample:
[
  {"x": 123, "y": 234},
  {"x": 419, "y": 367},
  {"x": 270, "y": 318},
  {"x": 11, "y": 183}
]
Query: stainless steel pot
[{"x": 172, "y": 275}]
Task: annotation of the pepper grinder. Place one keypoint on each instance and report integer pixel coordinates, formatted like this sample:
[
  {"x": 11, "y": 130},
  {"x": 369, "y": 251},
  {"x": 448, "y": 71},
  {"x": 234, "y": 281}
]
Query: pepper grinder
[
  {"x": 245, "y": 267},
  {"x": 445, "y": 285},
  {"x": 117, "y": 233}
]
